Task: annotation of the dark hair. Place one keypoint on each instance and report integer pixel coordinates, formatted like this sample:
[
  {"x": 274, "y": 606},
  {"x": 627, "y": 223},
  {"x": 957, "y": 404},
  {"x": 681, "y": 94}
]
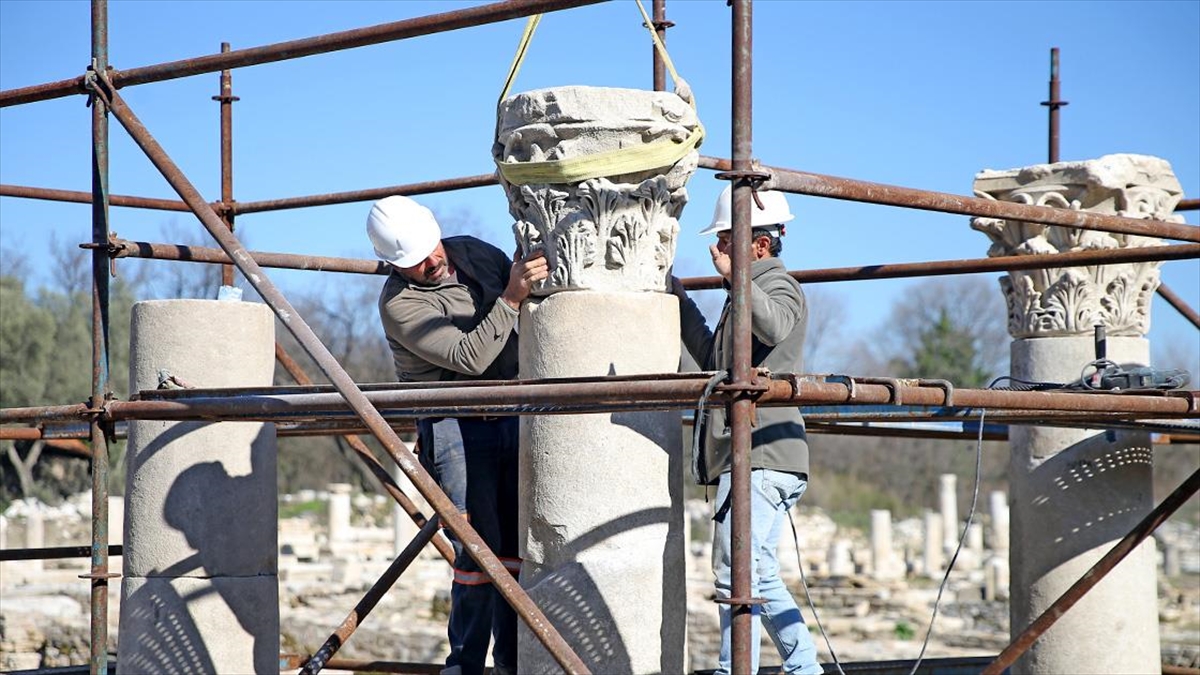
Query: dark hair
[{"x": 774, "y": 234}]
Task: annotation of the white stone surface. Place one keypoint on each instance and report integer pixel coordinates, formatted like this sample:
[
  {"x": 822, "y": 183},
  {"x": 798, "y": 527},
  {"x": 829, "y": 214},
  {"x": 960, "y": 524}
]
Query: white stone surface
[
  {"x": 1070, "y": 301},
  {"x": 948, "y": 506},
  {"x": 601, "y": 494},
  {"x": 884, "y": 563},
  {"x": 199, "y": 591},
  {"x": 607, "y": 233},
  {"x": 1075, "y": 493},
  {"x": 998, "y": 508},
  {"x": 339, "y": 512},
  {"x": 933, "y": 562},
  {"x": 184, "y": 625}
]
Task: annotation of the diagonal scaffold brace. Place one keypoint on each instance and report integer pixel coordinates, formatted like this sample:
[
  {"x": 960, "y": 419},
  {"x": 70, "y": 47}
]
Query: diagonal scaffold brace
[{"x": 508, "y": 587}]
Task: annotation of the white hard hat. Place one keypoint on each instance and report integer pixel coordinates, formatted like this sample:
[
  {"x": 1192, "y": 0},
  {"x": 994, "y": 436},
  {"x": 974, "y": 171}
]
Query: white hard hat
[
  {"x": 775, "y": 211},
  {"x": 402, "y": 231}
]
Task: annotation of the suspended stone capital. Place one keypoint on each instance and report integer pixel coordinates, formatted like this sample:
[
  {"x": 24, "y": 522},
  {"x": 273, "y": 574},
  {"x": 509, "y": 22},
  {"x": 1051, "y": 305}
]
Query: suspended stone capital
[
  {"x": 1071, "y": 301},
  {"x": 611, "y": 232}
]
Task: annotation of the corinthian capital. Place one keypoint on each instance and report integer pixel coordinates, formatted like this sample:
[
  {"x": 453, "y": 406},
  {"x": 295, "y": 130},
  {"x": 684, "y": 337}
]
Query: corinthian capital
[
  {"x": 1073, "y": 300},
  {"x": 615, "y": 231}
]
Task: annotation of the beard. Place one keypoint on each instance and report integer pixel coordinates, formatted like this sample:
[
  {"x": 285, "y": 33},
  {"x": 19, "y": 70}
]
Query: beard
[{"x": 435, "y": 275}]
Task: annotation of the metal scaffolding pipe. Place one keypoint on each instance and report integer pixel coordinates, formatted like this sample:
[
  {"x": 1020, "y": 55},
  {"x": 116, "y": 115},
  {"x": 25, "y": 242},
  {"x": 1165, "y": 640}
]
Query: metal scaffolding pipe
[
  {"x": 124, "y": 248},
  {"x": 100, "y": 430},
  {"x": 294, "y": 49},
  {"x": 741, "y": 408},
  {"x": 381, "y": 474},
  {"x": 488, "y": 562},
  {"x": 353, "y": 620},
  {"x": 833, "y": 187},
  {"x": 554, "y": 397},
  {"x": 1179, "y": 304},
  {"x": 54, "y": 553},
  {"x": 1053, "y": 103},
  {"x": 226, "y": 99},
  {"x": 1093, "y": 576},
  {"x": 427, "y": 187},
  {"x": 78, "y": 197}
]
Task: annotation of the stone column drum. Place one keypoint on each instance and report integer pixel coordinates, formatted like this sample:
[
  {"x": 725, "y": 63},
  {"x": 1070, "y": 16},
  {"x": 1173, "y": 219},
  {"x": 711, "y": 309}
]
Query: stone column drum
[
  {"x": 601, "y": 494},
  {"x": 1076, "y": 492},
  {"x": 199, "y": 587}
]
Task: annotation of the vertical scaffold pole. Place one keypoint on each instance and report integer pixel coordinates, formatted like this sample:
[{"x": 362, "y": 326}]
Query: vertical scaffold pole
[
  {"x": 100, "y": 269},
  {"x": 660, "y": 26},
  {"x": 742, "y": 408},
  {"x": 1053, "y": 104},
  {"x": 226, "y": 99}
]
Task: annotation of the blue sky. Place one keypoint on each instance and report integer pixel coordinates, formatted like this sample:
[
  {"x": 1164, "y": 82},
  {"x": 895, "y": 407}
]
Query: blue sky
[{"x": 919, "y": 94}]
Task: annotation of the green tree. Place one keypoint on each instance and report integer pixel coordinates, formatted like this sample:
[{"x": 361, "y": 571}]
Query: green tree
[
  {"x": 25, "y": 348},
  {"x": 945, "y": 351}
]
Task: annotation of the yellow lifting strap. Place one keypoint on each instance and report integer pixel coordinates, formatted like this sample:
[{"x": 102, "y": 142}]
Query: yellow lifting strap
[{"x": 633, "y": 159}]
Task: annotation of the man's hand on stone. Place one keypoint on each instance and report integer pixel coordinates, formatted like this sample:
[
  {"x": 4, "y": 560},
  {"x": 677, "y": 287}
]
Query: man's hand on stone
[{"x": 524, "y": 274}]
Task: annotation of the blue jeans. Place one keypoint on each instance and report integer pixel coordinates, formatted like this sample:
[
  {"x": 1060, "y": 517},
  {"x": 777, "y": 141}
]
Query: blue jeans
[
  {"x": 772, "y": 493},
  {"x": 475, "y": 462}
]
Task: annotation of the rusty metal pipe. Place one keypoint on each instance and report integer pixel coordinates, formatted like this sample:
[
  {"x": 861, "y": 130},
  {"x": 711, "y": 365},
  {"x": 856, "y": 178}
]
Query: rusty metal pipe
[
  {"x": 381, "y": 474},
  {"x": 78, "y": 197},
  {"x": 226, "y": 99},
  {"x": 741, "y": 408},
  {"x": 1179, "y": 304},
  {"x": 833, "y": 187},
  {"x": 124, "y": 248},
  {"x": 1053, "y": 103},
  {"x": 977, "y": 265},
  {"x": 1093, "y": 576},
  {"x": 287, "y": 314},
  {"x": 549, "y": 397},
  {"x": 1188, "y": 205},
  {"x": 99, "y": 574},
  {"x": 294, "y": 661},
  {"x": 352, "y": 621},
  {"x": 294, "y": 49},
  {"x": 427, "y": 187},
  {"x": 54, "y": 553},
  {"x": 658, "y": 67}
]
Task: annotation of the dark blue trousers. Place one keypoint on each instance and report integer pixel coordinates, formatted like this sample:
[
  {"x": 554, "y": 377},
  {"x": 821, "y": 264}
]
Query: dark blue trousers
[{"x": 475, "y": 460}]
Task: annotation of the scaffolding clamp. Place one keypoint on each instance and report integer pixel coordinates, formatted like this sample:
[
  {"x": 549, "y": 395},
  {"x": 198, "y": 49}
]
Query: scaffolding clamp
[{"x": 753, "y": 177}]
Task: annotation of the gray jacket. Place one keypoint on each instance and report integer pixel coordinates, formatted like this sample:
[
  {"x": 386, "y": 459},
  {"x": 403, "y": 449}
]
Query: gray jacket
[
  {"x": 453, "y": 331},
  {"x": 779, "y": 319}
]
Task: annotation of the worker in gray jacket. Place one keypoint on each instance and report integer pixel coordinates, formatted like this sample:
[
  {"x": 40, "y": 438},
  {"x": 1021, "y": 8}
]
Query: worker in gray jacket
[
  {"x": 779, "y": 448},
  {"x": 448, "y": 308}
]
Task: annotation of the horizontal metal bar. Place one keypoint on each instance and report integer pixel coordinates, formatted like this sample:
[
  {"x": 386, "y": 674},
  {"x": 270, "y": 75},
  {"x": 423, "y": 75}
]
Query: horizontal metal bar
[
  {"x": 832, "y": 187},
  {"x": 125, "y": 248},
  {"x": 427, "y": 187},
  {"x": 294, "y": 49},
  {"x": 553, "y": 397},
  {"x": 79, "y": 197},
  {"x": 54, "y": 552}
]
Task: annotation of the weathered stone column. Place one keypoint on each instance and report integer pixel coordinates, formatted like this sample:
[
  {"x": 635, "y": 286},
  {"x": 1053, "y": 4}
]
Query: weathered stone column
[
  {"x": 933, "y": 544},
  {"x": 1076, "y": 492},
  {"x": 199, "y": 592},
  {"x": 998, "y": 508},
  {"x": 601, "y": 494},
  {"x": 339, "y": 513},
  {"x": 948, "y": 505},
  {"x": 883, "y": 558}
]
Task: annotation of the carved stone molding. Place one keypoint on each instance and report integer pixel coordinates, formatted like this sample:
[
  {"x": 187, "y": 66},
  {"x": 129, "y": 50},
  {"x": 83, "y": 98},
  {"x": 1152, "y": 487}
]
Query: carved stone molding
[
  {"x": 1071, "y": 301},
  {"x": 610, "y": 233}
]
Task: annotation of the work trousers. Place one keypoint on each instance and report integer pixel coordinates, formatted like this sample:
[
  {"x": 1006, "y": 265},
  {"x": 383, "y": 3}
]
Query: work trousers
[
  {"x": 772, "y": 494},
  {"x": 475, "y": 460}
]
